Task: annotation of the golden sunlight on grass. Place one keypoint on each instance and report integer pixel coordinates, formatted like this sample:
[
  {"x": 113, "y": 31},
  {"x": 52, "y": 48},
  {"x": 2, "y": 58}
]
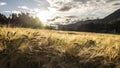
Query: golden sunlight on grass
[{"x": 53, "y": 49}]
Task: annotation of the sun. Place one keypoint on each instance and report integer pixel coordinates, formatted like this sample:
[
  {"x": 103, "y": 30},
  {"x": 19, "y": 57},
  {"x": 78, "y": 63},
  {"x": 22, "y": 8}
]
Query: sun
[{"x": 44, "y": 16}]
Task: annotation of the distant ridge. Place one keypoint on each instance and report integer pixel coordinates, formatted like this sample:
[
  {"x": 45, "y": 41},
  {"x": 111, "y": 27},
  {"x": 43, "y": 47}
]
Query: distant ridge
[
  {"x": 115, "y": 15},
  {"x": 109, "y": 24}
]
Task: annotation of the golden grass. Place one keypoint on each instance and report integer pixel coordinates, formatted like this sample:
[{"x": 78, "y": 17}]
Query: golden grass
[{"x": 84, "y": 45}]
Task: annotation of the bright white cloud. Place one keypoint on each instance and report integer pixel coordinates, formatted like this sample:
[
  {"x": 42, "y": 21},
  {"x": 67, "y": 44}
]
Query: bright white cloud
[
  {"x": 14, "y": 11},
  {"x": 3, "y": 3},
  {"x": 7, "y": 11},
  {"x": 29, "y": 10},
  {"x": 23, "y": 7}
]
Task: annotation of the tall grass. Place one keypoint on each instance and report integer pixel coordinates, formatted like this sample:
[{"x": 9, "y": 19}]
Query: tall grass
[{"x": 30, "y": 48}]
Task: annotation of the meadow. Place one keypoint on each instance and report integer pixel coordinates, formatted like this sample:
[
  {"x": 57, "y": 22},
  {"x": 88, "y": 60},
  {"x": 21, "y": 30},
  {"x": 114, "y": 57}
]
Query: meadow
[{"x": 40, "y": 48}]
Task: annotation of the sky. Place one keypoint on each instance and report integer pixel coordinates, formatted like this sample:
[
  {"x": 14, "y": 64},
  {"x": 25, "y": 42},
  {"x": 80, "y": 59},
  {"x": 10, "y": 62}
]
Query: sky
[{"x": 61, "y": 11}]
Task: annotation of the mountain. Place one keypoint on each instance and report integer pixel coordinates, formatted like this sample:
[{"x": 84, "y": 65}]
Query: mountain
[
  {"x": 110, "y": 23},
  {"x": 78, "y": 23},
  {"x": 115, "y": 15}
]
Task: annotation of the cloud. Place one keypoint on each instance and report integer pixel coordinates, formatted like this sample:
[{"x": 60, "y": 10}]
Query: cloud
[
  {"x": 23, "y": 7},
  {"x": 34, "y": 11},
  {"x": 111, "y": 0},
  {"x": 29, "y": 10},
  {"x": 63, "y": 20},
  {"x": 3, "y": 3},
  {"x": 64, "y": 5},
  {"x": 7, "y": 11},
  {"x": 83, "y": 8},
  {"x": 67, "y": 6},
  {"x": 116, "y": 4},
  {"x": 42, "y": 4},
  {"x": 83, "y": 1},
  {"x": 13, "y": 11}
]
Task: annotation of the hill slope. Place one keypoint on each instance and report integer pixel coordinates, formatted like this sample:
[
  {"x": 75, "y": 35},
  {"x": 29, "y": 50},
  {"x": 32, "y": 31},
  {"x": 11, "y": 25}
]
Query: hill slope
[{"x": 115, "y": 15}]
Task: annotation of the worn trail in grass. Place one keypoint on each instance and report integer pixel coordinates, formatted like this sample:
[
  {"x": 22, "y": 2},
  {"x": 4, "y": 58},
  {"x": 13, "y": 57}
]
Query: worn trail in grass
[{"x": 34, "y": 48}]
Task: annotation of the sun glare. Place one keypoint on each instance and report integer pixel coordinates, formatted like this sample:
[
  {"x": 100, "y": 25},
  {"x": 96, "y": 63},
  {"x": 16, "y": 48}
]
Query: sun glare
[{"x": 44, "y": 15}]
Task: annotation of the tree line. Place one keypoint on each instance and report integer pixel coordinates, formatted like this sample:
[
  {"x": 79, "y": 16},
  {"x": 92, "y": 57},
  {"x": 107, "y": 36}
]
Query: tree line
[
  {"x": 100, "y": 26},
  {"x": 20, "y": 20}
]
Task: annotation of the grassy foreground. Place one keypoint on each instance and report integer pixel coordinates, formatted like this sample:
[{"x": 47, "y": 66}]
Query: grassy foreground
[{"x": 30, "y": 48}]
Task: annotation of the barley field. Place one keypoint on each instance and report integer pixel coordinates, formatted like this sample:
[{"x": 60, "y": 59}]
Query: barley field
[{"x": 39, "y": 48}]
